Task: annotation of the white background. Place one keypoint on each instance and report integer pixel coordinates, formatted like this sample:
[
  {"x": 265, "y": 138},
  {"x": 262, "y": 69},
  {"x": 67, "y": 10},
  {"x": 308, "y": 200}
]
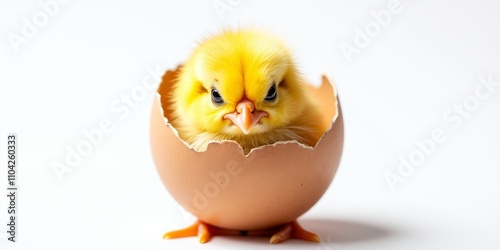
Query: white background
[{"x": 66, "y": 78}]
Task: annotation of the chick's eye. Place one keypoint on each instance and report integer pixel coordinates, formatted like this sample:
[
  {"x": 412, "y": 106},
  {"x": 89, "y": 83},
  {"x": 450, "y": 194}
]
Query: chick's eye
[
  {"x": 271, "y": 93},
  {"x": 216, "y": 97}
]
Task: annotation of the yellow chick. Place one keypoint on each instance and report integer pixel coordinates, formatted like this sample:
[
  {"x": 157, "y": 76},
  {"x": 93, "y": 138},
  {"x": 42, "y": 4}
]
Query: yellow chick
[{"x": 243, "y": 85}]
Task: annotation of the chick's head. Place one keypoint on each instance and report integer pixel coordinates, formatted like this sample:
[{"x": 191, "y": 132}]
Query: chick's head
[{"x": 239, "y": 83}]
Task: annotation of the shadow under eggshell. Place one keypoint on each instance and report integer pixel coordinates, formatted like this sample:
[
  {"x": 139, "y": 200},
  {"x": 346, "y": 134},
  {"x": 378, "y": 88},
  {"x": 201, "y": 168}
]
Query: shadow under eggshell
[{"x": 270, "y": 186}]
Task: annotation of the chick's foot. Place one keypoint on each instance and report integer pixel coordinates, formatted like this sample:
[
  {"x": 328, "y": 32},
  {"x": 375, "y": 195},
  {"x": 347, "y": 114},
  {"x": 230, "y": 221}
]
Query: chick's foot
[
  {"x": 293, "y": 230},
  {"x": 199, "y": 229}
]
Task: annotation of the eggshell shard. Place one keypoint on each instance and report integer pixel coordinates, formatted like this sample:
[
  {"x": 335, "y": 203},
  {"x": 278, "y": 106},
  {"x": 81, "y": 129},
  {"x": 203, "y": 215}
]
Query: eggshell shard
[{"x": 271, "y": 186}]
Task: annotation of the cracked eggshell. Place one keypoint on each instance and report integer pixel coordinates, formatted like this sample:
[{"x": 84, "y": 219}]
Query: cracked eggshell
[{"x": 271, "y": 186}]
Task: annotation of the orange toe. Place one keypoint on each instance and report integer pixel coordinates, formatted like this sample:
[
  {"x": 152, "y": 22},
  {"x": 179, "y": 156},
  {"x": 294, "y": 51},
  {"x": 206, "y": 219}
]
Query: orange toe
[
  {"x": 293, "y": 231},
  {"x": 199, "y": 229}
]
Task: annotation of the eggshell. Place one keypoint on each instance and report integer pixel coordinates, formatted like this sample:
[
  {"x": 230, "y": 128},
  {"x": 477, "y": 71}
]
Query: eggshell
[{"x": 271, "y": 186}]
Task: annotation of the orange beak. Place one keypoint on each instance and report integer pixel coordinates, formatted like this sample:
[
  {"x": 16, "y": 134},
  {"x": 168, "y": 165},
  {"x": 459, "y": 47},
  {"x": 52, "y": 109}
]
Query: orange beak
[{"x": 245, "y": 116}]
